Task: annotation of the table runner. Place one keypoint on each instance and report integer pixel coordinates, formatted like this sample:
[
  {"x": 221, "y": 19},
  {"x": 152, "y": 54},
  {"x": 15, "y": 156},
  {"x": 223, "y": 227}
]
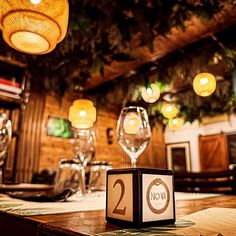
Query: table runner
[{"x": 90, "y": 202}]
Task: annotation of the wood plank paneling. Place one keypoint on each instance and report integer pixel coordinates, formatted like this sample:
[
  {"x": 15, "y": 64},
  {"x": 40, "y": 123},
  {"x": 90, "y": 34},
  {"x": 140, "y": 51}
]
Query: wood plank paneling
[
  {"x": 213, "y": 152},
  {"x": 55, "y": 148},
  {"x": 29, "y": 147}
]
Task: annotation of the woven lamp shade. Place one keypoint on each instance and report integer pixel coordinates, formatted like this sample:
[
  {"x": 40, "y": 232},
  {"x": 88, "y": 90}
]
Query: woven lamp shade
[
  {"x": 169, "y": 110},
  {"x": 204, "y": 84},
  {"x": 82, "y": 114},
  {"x": 176, "y": 123},
  {"x": 34, "y": 28},
  {"x": 150, "y": 94}
]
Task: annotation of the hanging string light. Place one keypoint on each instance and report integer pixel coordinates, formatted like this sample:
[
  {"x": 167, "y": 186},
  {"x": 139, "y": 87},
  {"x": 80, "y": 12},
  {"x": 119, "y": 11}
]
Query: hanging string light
[
  {"x": 204, "y": 84},
  {"x": 33, "y": 26},
  {"x": 151, "y": 93},
  {"x": 82, "y": 114},
  {"x": 169, "y": 110},
  {"x": 176, "y": 123}
]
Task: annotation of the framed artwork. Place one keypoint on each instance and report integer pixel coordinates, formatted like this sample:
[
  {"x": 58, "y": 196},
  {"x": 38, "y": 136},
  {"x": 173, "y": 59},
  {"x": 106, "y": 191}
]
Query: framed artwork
[
  {"x": 59, "y": 127},
  {"x": 178, "y": 156}
]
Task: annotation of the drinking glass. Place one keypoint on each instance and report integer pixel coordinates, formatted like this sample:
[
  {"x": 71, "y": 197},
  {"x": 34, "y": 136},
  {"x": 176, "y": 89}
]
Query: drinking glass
[
  {"x": 133, "y": 131},
  {"x": 84, "y": 148},
  {"x": 5, "y": 139}
]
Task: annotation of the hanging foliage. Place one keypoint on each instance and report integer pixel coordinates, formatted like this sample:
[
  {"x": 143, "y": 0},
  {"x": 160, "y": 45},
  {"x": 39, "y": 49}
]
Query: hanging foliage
[
  {"x": 101, "y": 31},
  {"x": 177, "y": 72}
]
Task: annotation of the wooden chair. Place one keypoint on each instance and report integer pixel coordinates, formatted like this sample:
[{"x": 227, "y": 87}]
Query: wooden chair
[{"x": 208, "y": 182}]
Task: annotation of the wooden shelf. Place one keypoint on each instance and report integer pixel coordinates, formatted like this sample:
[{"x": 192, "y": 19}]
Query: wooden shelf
[{"x": 14, "y": 92}]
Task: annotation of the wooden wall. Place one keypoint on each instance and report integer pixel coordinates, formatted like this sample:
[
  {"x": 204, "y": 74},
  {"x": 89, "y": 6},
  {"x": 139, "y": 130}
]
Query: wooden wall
[{"x": 54, "y": 148}]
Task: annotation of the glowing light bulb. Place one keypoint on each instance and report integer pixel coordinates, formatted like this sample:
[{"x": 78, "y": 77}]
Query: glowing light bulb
[
  {"x": 176, "y": 123},
  {"x": 169, "y": 110},
  {"x": 203, "y": 81},
  {"x": 35, "y": 2},
  {"x": 149, "y": 90},
  {"x": 150, "y": 94},
  {"x": 82, "y": 113},
  {"x": 204, "y": 84}
]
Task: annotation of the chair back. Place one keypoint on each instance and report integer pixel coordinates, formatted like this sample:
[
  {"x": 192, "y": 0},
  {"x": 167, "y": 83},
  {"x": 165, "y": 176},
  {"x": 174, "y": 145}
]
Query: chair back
[{"x": 209, "y": 182}]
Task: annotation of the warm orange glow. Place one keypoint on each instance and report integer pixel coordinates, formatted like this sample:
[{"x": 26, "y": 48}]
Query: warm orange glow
[
  {"x": 82, "y": 114},
  {"x": 34, "y": 26},
  {"x": 204, "y": 84},
  {"x": 169, "y": 110},
  {"x": 151, "y": 94}
]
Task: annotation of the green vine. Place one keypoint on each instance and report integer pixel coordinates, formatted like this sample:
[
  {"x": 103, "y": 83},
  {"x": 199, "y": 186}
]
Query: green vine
[{"x": 103, "y": 31}]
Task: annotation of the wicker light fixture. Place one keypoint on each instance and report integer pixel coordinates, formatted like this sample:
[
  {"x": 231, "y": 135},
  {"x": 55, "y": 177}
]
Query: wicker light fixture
[
  {"x": 204, "y": 84},
  {"x": 176, "y": 123},
  {"x": 34, "y": 26},
  {"x": 150, "y": 94},
  {"x": 169, "y": 110},
  {"x": 82, "y": 114}
]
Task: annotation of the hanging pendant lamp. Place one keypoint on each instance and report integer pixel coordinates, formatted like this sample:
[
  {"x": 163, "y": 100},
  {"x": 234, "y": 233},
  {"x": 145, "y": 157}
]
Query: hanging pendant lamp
[
  {"x": 169, "y": 110},
  {"x": 176, "y": 123},
  {"x": 82, "y": 114},
  {"x": 34, "y": 26},
  {"x": 150, "y": 94},
  {"x": 204, "y": 84}
]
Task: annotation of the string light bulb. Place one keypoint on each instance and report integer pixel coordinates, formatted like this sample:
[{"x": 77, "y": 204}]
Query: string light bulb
[
  {"x": 169, "y": 110},
  {"x": 204, "y": 84},
  {"x": 176, "y": 123},
  {"x": 150, "y": 94}
]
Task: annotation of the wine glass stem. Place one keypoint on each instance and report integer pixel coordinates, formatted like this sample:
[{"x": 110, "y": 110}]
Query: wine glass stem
[{"x": 133, "y": 163}]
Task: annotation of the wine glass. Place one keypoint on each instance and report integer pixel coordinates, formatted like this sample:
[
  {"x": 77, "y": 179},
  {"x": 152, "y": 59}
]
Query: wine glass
[
  {"x": 84, "y": 149},
  {"x": 5, "y": 139},
  {"x": 133, "y": 131}
]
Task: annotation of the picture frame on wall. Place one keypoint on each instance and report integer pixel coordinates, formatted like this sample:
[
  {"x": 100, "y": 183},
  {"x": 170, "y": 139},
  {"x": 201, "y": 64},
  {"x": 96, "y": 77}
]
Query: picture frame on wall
[
  {"x": 59, "y": 127},
  {"x": 178, "y": 156}
]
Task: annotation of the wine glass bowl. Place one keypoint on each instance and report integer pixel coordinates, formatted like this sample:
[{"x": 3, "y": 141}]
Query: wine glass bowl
[
  {"x": 83, "y": 146},
  {"x": 133, "y": 131},
  {"x": 5, "y": 139},
  {"x": 84, "y": 150}
]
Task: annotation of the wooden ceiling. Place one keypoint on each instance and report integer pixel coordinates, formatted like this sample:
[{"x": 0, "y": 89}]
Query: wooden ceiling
[{"x": 164, "y": 45}]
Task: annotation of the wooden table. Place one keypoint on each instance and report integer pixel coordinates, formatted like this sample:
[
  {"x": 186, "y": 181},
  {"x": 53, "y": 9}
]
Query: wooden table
[{"x": 91, "y": 223}]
